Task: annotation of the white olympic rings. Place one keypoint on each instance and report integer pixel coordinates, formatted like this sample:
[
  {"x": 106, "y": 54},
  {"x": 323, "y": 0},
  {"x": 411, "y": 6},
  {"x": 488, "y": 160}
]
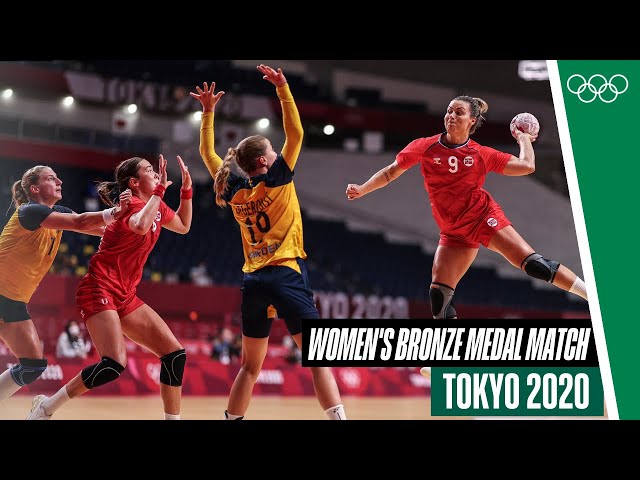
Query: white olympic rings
[{"x": 597, "y": 91}]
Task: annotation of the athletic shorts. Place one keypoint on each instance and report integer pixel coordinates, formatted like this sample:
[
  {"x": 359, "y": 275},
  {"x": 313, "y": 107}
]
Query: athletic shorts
[
  {"x": 476, "y": 231},
  {"x": 92, "y": 299},
  {"x": 13, "y": 311},
  {"x": 284, "y": 288}
]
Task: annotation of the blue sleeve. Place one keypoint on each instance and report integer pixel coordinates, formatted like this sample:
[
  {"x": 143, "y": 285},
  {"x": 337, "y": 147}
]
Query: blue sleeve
[
  {"x": 32, "y": 215},
  {"x": 234, "y": 183},
  {"x": 279, "y": 174},
  {"x": 61, "y": 209}
]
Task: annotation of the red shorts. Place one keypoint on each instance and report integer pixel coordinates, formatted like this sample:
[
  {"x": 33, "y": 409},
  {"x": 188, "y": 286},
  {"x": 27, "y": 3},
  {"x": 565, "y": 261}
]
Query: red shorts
[
  {"x": 476, "y": 232},
  {"x": 92, "y": 299}
]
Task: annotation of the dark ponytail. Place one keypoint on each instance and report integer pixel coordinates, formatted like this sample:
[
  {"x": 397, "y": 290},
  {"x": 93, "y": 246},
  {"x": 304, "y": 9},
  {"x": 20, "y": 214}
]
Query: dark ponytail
[{"x": 110, "y": 191}]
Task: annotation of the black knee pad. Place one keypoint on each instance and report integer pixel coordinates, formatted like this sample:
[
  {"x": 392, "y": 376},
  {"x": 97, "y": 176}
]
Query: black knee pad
[
  {"x": 28, "y": 370},
  {"x": 98, "y": 374},
  {"x": 172, "y": 368},
  {"x": 450, "y": 312},
  {"x": 536, "y": 266},
  {"x": 441, "y": 296}
]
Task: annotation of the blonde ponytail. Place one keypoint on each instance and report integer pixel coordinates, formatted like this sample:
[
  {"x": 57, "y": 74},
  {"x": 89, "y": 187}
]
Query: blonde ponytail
[
  {"x": 20, "y": 189},
  {"x": 18, "y": 194},
  {"x": 220, "y": 182}
]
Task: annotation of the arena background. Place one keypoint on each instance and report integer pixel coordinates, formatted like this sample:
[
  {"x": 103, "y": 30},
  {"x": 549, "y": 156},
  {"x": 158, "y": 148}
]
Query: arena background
[{"x": 367, "y": 259}]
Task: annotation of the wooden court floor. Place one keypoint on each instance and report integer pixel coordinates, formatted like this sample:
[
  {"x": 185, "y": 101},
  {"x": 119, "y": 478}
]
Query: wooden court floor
[{"x": 212, "y": 408}]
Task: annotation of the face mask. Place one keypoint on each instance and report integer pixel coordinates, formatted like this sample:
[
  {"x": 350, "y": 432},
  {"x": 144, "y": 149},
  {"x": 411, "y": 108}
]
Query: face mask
[{"x": 74, "y": 330}]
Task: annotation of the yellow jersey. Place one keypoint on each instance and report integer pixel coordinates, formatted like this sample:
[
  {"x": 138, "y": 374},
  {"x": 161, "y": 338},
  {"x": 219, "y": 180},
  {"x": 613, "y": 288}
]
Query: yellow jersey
[
  {"x": 266, "y": 206},
  {"x": 27, "y": 250}
]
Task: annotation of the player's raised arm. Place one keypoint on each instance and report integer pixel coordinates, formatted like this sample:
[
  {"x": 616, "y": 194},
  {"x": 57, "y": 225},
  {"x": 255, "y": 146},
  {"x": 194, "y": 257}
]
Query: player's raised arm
[
  {"x": 290, "y": 115},
  {"x": 141, "y": 221},
  {"x": 181, "y": 222},
  {"x": 524, "y": 128},
  {"x": 208, "y": 99},
  {"x": 525, "y": 163}
]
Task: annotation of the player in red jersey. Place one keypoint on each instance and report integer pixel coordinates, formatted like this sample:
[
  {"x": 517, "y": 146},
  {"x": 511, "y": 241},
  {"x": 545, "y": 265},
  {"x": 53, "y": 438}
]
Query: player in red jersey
[
  {"x": 454, "y": 168},
  {"x": 106, "y": 295}
]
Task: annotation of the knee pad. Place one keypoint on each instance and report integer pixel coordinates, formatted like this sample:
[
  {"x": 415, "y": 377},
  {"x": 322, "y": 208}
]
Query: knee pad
[
  {"x": 441, "y": 296},
  {"x": 450, "y": 312},
  {"x": 536, "y": 266},
  {"x": 28, "y": 370},
  {"x": 98, "y": 374},
  {"x": 172, "y": 368}
]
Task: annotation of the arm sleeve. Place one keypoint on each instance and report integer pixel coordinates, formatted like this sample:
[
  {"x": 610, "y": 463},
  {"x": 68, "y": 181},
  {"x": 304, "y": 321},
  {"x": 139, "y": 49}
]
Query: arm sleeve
[
  {"x": 166, "y": 213},
  {"x": 292, "y": 126},
  {"x": 410, "y": 155},
  {"x": 32, "y": 215},
  {"x": 207, "y": 145},
  {"x": 495, "y": 160}
]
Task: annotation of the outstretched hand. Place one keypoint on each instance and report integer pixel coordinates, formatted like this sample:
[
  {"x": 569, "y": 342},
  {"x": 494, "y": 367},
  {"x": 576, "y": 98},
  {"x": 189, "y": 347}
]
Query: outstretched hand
[
  {"x": 270, "y": 75},
  {"x": 163, "y": 172},
  {"x": 206, "y": 97},
  {"x": 354, "y": 191},
  {"x": 186, "y": 176}
]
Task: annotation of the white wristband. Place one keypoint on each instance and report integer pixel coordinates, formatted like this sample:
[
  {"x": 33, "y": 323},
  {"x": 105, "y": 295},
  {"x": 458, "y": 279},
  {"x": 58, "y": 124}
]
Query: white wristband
[{"x": 109, "y": 215}]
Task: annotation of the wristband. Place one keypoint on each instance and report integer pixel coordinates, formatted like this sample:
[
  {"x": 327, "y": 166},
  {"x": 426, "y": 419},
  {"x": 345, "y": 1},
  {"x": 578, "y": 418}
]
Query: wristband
[
  {"x": 159, "y": 190},
  {"x": 186, "y": 194},
  {"x": 109, "y": 216}
]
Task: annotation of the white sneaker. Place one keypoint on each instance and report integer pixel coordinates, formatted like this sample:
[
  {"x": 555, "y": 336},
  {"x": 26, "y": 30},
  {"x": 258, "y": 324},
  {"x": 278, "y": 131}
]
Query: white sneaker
[
  {"x": 37, "y": 412},
  {"x": 426, "y": 372}
]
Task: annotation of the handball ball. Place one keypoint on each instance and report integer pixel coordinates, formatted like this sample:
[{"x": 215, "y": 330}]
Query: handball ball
[{"x": 526, "y": 123}]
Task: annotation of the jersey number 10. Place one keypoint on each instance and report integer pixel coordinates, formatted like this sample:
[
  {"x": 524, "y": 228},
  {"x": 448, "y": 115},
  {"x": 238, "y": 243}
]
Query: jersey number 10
[{"x": 263, "y": 224}]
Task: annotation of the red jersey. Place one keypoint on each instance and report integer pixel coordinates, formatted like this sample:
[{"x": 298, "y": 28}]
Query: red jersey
[
  {"x": 453, "y": 177},
  {"x": 119, "y": 261}
]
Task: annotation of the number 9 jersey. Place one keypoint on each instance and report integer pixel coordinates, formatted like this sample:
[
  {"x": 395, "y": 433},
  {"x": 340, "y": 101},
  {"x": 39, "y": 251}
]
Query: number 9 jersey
[{"x": 453, "y": 176}]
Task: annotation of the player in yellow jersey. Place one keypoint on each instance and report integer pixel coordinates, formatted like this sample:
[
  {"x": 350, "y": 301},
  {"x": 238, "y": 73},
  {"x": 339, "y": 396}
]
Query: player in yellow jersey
[
  {"x": 266, "y": 207},
  {"x": 28, "y": 245}
]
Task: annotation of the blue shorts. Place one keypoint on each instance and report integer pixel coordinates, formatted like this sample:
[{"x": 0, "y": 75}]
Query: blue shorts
[
  {"x": 284, "y": 288},
  {"x": 13, "y": 311}
]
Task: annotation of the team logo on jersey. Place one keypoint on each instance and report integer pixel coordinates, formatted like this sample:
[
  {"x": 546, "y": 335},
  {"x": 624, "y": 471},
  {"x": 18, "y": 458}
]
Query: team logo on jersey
[
  {"x": 154, "y": 226},
  {"x": 468, "y": 161},
  {"x": 437, "y": 161},
  {"x": 104, "y": 301},
  {"x": 492, "y": 222}
]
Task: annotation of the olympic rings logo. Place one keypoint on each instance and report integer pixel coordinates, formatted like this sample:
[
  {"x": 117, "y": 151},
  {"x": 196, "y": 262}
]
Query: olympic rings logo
[{"x": 596, "y": 89}]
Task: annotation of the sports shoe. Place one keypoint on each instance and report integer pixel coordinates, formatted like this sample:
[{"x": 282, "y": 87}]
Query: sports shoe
[
  {"x": 426, "y": 372},
  {"x": 37, "y": 412}
]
